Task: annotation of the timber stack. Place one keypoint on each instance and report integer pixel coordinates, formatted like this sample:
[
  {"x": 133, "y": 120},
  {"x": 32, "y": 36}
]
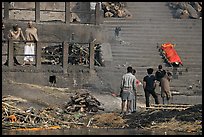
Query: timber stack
[
  {"x": 74, "y": 114},
  {"x": 115, "y": 9},
  {"x": 185, "y": 10},
  {"x": 83, "y": 102}
]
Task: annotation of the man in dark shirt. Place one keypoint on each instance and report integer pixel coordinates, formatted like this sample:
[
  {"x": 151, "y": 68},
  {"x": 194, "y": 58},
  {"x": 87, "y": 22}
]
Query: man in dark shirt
[
  {"x": 149, "y": 85},
  {"x": 160, "y": 74}
]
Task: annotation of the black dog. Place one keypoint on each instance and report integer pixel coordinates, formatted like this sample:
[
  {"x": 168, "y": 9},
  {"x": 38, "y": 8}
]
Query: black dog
[{"x": 52, "y": 80}]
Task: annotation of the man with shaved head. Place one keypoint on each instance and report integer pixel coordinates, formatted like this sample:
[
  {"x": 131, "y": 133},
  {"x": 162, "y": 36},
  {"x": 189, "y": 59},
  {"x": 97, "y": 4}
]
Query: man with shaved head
[
  {"x": 31, "y": 38},
  {"x": 128, "y": 87}
]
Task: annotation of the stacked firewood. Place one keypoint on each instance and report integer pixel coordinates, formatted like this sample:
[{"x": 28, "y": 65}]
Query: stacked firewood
[
  {"x": 73, "y": 115},
  {"x": 14, "y": 117},
  {"x": 115, "y": 9},
  {"x": 52, "y": 54},
  {"x": 31, "y": 119},
  {"x": 185, "y": 10},
  {"x": 83, "y": 102},
  {"x": 78, "y": 54}
]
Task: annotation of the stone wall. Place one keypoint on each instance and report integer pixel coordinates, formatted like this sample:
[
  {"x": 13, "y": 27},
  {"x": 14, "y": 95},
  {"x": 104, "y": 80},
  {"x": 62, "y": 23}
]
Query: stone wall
[
  {"x": 54, "y": 28},
  {"x": 61, "y": 32},
  {"x": 49, "y": 11}
]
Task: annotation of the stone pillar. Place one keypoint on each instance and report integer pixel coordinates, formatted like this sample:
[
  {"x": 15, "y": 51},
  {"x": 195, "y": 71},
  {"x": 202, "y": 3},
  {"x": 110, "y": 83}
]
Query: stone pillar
[
  {"x": 6, "y": 10},
  {"x": 97, "y": 14},
  {"x": 67, "y": 13},
  {"x": 10, "y": 53},
  {"x": 65, "y": 48},
  {"x": 38, "y": 55},
  {"x": 37, "y": 12},
  {"x": 91, "y": 55}
]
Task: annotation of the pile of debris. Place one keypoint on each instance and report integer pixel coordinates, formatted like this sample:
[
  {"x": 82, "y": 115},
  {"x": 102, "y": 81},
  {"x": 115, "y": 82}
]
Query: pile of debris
[
  {"x": 81, "y": 111},
  {"x": 52, "y": 54},
  {"x": 83, "y": 102},
  {"x": 78, "y": 54},
  {"x": 188, "y": 120},
  {"x": 14, "y": 117},
  {"x": 185, "y": 10},
  {"x": 74, "y": 115},
  {"x": 115, "y": 9}
]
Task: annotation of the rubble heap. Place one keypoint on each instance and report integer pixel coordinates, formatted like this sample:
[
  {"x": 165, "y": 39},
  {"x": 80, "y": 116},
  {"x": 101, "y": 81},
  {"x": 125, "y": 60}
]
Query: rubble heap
[
  {"x": 115, "y": 9},
  {"x": 185, "y": 10},
  {"x": 74, "y": 114},
  {"x": 83, "y": 102},
  {"x": 78, "y": 54},
  {"x": 188, "y": 120}
]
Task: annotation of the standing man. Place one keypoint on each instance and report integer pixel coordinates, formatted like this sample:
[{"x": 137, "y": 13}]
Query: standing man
[
  {"x": 16, "y": 35},
  {"x": 149, "y": 85},
  {"x": 159, "y": 74},
  {"x": 117, "y": 31},
  {"x": 128, "y": 87},
  {"x": 31, "y": 37},
  {"x": 165, "y": 87},
  {"x": 133, "y": 102}
]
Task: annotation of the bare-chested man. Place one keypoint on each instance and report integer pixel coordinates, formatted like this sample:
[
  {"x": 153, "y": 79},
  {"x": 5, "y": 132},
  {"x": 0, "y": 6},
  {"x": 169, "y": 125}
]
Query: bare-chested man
[
  {"x": 16, "y": 34},
  {"x": 31, "y": 38}
]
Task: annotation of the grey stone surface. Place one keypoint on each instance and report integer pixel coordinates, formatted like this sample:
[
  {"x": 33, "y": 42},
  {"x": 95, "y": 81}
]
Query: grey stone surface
[{"x": 106, "y": 52}]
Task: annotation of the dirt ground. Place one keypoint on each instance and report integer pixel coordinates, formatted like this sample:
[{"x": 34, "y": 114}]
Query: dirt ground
[{"x": 43, "y": 97}]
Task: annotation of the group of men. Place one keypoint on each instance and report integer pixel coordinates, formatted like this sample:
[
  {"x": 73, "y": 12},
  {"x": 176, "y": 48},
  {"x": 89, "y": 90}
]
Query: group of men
[
  {"x": 16, "y": 34},
  {"x": 129, "y": 87}
]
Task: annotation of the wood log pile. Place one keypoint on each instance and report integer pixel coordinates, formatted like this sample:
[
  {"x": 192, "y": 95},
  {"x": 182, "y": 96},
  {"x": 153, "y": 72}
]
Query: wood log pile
[
  {"x": 186, "y": 10},
  {"x": 14, "y": 117},
  {"x": 115, "y": 9},
  {"x": 52, "y": 54},
  {"x": 78, "y": 54},
  {"x": 73, "y": 115},
  {"x": 83, "y": 102}
]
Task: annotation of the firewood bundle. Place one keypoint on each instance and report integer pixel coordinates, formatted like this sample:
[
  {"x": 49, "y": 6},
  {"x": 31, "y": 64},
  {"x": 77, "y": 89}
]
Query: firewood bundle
[
  {"x": 31, "y": 119},
  {"x": 78, "y": 54},
  {"x": 115, "y": 9},
  {"x": 185, "y": 10},
  {"x": 52, "y": 54},
  {"x": 14, "y": 117},
  {"x": 83, "y": 102}
]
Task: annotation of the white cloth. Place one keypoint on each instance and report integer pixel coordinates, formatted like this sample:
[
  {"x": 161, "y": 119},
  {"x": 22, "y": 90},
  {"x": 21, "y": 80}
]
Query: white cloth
[
  {"x": 29, "y": 49},
  {"x": 92, "y": 5}
]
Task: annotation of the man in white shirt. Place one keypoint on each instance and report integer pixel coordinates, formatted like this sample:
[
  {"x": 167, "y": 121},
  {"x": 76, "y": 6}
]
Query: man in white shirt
[{"x": 128, "y": 87}]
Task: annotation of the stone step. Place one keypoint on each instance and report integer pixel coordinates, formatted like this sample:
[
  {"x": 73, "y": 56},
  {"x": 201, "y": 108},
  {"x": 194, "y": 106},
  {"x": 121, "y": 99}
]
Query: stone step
[
  {"x": 152, "y": 25},
  {"x": 135, "y": 54},
  {"x": 168, "y": 35},
  {"x": 162, "y": 22},
  {"x": 131, "y": 31},
  {"x": 179, "y": 44},
  {"x": 154, "y": 41},
  {"x": 180, "y": 79},
  {"x": 174, "y": 39},
  {"x": 172, "y": 20},
  {"x": 171, "y": 28},
  {"x": 145, "y": 59},
  {"x": 152, "y": 31},
  {"x": 145, "y": 63},
  {"x": 138, "y": 62},
  {"x": 160, "y": 36},
  {"x": 139, "y": 47},
  {"x": 143, "y": 70}
]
